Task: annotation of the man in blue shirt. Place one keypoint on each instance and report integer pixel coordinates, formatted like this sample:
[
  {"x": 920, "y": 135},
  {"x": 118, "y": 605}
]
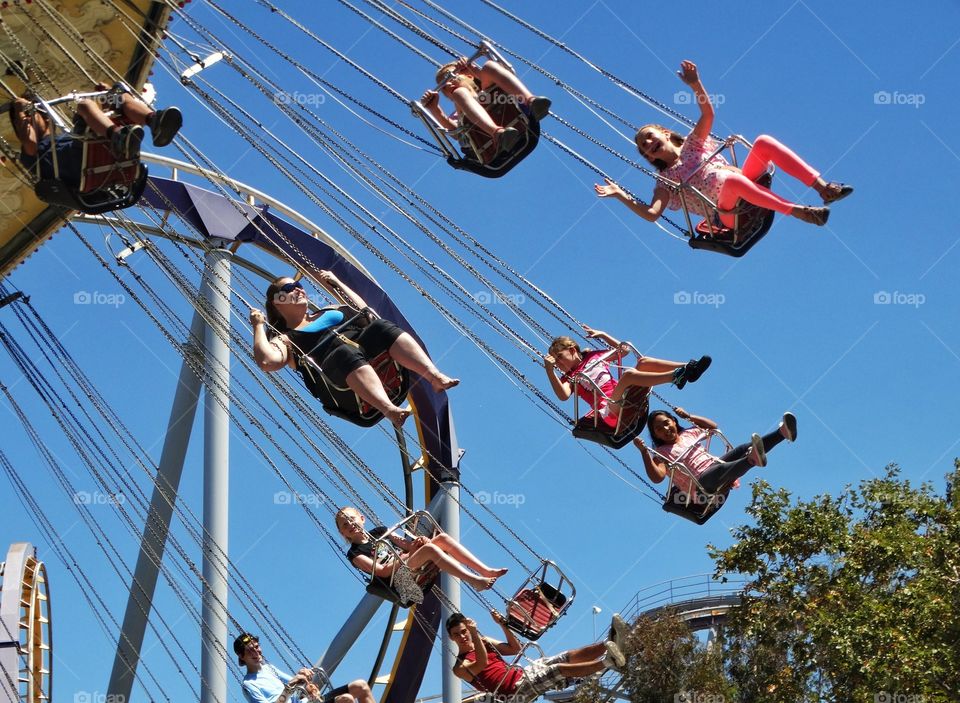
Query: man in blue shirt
[{"x": 265, "y": 683}]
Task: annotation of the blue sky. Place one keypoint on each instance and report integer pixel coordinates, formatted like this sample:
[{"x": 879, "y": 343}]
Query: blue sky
[{"x": 850, "y": 326}]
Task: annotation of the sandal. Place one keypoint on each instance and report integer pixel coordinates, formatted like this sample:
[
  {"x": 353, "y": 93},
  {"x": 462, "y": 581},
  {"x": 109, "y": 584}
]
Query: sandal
[
  {"x": 832, "y": 192},
  {"x": 811, "y": 215}
]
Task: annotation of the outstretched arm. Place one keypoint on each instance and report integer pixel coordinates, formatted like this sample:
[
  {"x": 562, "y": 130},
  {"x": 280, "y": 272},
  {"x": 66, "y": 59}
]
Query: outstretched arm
[
  {"x": 340, "y": 290},
  {"x": 602, "y": 336},
  {"x": 704, "y": 423},
  {"x": 651, "y": 212},
  {"x": 512, "y": 644},
  {"x": 688, "y": 74}
]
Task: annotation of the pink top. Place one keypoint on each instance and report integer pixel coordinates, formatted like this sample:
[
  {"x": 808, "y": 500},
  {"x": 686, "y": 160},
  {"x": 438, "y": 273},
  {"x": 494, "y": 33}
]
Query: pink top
[
  {"x": 598, "y": 371},
  {"x": 708, "y": 180},
  {"x": 697, "y": 460}
]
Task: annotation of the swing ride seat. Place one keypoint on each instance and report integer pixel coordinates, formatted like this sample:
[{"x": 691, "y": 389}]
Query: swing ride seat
[
  {"x": 695, "y": 503},
  {"x": 635, "y": 406},
  {"x": 753, "y": 223},
  {"x": 697, "y": 507},
  {"x": 538, "y": 605},
  {"x": 343, "y": 402},
  {"x": 347, "y": 405},
  {"x": 106, "y": 184},
  {"x": 406, "y": 586},
  {"x": 480, "y": 153},
  {"x": 407, "y": 594}
]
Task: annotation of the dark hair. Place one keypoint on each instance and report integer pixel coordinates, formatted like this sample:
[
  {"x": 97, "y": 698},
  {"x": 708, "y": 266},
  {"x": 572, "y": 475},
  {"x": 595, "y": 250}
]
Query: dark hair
[
  {"x": 654, "y": 414},
  {"x": 675, "y": 137},
  {"x": 454, "y": 620},
  {"x": 277, "y": 325},
  {"x": 17, "y": 114},
  {"x": 240, "y": 644}
]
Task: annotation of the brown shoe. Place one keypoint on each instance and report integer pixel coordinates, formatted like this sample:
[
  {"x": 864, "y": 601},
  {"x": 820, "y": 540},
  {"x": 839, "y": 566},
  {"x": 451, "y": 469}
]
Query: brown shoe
[
  {"x": 811, "y": 215},
  {"x": 832, "y": 192}
]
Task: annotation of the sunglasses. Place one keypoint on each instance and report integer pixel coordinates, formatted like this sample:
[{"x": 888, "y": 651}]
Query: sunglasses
[{"x": 288, "y": 287}]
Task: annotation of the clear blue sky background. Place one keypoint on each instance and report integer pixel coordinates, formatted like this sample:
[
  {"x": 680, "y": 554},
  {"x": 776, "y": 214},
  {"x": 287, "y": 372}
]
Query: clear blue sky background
[{"x": 864, "y": 91}]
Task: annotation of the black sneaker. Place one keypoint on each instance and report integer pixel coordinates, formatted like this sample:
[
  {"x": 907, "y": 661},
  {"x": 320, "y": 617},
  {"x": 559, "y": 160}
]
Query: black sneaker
[
  {"x": 164, "y": 125},
  {"x": 540, "y": 107},
  {"x": 694, "y": 369},
  {"x": 691, "y": 371},
  {"x": 125, "y": 142}
]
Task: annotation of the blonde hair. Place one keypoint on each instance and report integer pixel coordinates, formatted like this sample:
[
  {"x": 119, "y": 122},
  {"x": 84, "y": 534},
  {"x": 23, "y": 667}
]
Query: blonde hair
[
  {"x": 346, "y": 511},
  {"x": 675, "y": 138},
  {"x": 561, "y": 343}
]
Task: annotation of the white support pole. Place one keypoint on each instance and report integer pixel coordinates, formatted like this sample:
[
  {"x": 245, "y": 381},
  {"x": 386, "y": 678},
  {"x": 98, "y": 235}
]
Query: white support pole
[
  {"x": 140, "y": 600},
  {"x": 216, "y": 442},
  {"x": 448, "y": 516}
]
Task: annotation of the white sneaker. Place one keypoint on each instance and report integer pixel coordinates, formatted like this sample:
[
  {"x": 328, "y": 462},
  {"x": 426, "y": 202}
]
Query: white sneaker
[
  {"x": 614, "y": 658},
  {"x": 757, "y": 456},
  {"x": 619, "y": 630},
  {"x": 788, "y": 427}
]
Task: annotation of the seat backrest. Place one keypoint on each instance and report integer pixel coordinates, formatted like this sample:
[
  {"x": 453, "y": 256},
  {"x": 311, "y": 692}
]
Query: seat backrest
[
  {"x": 633, "y": 418},
  {"x": 480, "y": 152},
  {"x": 344, "y": 403},
  {"x": 752, "y": 224},
  {"x": 533, "y": 610}
]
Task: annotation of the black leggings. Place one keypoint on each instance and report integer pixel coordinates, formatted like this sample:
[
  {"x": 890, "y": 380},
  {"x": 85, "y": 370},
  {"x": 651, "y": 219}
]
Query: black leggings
[
  {"x": 734, "y": 464},
  {"x": 373, "y": 340}
]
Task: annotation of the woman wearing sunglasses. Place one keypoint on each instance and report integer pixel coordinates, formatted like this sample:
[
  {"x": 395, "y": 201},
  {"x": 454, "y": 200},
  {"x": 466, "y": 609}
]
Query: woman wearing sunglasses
[{"x": 330, "y": 341}]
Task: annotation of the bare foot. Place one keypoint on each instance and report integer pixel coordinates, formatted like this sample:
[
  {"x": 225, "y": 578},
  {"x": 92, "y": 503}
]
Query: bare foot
[
  {"x": 480, "y": 584},
  {"x": 495, "y": 573},
  {"x": 440, "y": 382},
  {"x": 398, "y": 416}
]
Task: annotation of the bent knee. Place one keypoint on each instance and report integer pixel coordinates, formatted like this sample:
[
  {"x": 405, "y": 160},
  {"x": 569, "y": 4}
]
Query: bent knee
[
  {"x": 763, "y": 141},
  {"x": 358, "y": 687}
]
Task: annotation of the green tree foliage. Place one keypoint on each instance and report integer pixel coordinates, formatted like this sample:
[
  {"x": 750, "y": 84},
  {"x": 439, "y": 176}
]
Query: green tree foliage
[
  {"x": 666, "y": 663},
  {"x": 853, "y": 598}
]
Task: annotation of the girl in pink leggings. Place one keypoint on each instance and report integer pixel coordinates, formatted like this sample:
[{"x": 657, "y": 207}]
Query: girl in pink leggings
[{"x": 679, "y": 158}]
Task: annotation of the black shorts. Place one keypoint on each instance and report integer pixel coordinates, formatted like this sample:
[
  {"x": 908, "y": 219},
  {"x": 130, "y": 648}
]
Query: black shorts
[{"x": 373, "y": 340}]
